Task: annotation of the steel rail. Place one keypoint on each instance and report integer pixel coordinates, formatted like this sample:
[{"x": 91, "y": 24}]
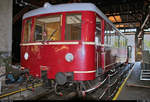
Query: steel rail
[
  {"x": 116, "y": 81},
  {"x": 96, "y": 86}
]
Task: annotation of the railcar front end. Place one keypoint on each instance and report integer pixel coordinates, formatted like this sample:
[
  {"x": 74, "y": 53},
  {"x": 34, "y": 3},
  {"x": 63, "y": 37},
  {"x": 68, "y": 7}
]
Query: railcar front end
[{"x": 60, "y": 43}]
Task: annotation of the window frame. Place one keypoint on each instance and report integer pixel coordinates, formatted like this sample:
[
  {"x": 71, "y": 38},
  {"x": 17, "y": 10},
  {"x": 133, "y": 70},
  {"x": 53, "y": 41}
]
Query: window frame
[
  {"x": 101, "y": 35},
  {"x": 65, "y": 20},
  {"x": 97, "y": 16},
  {"x": 23, "y": 30},
  {"x": 46, "y": 15},
  {"x": 62, "y": 26}
]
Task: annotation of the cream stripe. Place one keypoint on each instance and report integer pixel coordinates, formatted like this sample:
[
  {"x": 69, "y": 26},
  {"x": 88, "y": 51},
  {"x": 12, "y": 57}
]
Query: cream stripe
[
  {"x": 92, "y": 71},
  {"x": 49, "y": 43},
  {"x": 25, "y": 44},
  {"x": 102, "y": 45},
  {"x": 88, "y": 43},
  {"x": 107, "y": 45},
  {"x": 59, "y": 43},
  {"x": 99, "y": 44}
]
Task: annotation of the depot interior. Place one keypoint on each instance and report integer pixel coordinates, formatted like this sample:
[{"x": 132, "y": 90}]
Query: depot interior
[{"x": 131, "y": 17}]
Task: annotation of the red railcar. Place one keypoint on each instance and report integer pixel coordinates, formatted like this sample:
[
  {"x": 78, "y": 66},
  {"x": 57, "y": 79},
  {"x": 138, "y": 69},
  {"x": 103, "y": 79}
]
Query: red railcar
[{"x": 70, "y": 40}]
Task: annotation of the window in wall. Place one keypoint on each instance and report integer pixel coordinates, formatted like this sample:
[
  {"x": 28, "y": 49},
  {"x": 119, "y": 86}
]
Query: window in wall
[
  {"x": 119, "y": 43},
  {"x": 48, "y": 28},
  {"x": 98, "y": 31},
  {"x": 146, "y": 43},
  {"x": 27, "y": 30},
  {"x": 124, "y": 42},
  {"x": 73, "y": 27},
  {"x": 116, "y": 43},
  {"x": 112, "y": 37}
]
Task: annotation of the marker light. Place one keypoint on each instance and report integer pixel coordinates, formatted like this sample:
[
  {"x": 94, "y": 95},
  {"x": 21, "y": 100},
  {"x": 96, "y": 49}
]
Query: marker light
[
  {"x": 69, "y": 57},
  {"x": 26, "y": 56}
]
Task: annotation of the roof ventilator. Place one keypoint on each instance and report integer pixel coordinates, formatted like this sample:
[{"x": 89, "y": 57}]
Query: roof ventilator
[{"x": 46, "y": 5}]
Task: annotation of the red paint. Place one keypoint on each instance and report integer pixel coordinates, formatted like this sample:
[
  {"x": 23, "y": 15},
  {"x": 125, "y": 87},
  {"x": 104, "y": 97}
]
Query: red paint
[
  {"x": 63, "y": 26},
  {"x": 102, "y": 47},
  {"x": 53, "y": 56},
  {"x": 88, "y": 26},
  {"x": 22, "y": 33},
  {"x": 32, "y": 30}
]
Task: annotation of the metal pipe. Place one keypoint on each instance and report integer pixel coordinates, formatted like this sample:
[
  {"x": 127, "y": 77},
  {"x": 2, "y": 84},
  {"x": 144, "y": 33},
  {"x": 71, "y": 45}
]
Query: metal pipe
[
  {"x": 96, "y": 86},
  {"x": 103, "y": 93},
  {"x": 55, "y": 89}
]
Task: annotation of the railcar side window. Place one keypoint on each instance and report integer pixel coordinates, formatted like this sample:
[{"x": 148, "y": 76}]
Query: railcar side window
[
  {"x": 113, "y": 38},
  {"x": 98, "y": 31},
  {"x": 121, "y": 41},
  {"x": 48, "y": 28},
  {"x": 73, "y": 27},
  {"x": 107, "y": 34},
  {"x": 27, "y": 30},
  {"x": 117, "y": 38}
]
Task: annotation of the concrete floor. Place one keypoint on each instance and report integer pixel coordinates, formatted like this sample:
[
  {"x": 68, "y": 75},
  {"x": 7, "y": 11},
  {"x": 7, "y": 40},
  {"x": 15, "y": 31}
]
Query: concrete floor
[{"x": 132, "y": 92}]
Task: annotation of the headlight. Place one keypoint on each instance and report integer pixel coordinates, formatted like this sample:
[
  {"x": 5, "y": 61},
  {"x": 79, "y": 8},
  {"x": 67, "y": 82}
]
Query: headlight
[
  {"x": 26, "y": 56},
  {"x": 69, "y": 57}
]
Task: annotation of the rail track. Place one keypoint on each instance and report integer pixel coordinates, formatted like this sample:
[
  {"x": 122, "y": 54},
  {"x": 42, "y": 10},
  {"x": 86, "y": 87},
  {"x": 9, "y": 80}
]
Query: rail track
[{"x": 104, "y": 90}]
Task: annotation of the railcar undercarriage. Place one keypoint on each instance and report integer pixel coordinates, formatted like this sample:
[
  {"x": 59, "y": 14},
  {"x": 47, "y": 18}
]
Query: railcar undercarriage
[{"x": 103, "y": 87}]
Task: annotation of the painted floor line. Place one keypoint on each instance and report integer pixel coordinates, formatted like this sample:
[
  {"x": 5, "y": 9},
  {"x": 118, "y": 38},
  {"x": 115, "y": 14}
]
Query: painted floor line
[
  {"x": 120, "y": 88},
  {"x": 14, "y": 92}
]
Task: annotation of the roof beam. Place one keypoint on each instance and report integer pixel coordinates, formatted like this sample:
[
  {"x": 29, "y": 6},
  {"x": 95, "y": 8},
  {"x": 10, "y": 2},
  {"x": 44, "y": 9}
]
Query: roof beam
[
  {"x": 144, "y": 23},
  {"x": 123, "y": 22},
  {"x": 19, "y": 15}
]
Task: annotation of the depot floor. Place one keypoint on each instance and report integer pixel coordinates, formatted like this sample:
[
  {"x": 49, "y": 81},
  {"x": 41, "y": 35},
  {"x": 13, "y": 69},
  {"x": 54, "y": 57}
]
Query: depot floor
[{"x": 134, "y": 88}]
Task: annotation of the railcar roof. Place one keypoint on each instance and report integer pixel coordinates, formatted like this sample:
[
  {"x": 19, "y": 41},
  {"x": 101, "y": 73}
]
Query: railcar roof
[{"x": 48, "y": 8}]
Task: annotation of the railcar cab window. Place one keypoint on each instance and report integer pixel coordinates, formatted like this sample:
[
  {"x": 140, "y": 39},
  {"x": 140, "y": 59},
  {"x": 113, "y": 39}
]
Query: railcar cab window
[
  {"x": 73, "y": 27},
  {"x": 48, "y": 28},
  {"x": 27, "y": 30},
  {"x": 98, "y": 31}
]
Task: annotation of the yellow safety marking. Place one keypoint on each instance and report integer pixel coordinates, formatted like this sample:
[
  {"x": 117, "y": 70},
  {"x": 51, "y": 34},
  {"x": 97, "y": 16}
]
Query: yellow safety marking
[
  {"x": 120, "y": 88},
  {"x": 11, "y": 93}
]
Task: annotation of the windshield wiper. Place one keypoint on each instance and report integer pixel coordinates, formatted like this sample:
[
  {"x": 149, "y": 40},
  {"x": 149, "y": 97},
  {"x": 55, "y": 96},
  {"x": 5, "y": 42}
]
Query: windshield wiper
[{"x": 53, "y": 33}]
